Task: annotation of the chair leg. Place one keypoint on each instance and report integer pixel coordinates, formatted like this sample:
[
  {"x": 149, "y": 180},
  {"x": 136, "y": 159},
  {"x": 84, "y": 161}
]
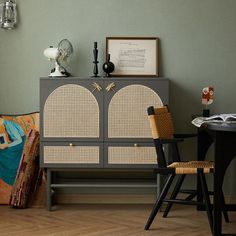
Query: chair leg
[
  {"x": 206, "y": 197},
  {"x": 225, "y": 212},
  {"x": 159, "y": 201},
  {"x": 174, "y": 194}
]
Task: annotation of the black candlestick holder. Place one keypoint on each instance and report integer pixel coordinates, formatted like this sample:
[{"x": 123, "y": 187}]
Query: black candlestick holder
[{"x": 95, "y": 54}]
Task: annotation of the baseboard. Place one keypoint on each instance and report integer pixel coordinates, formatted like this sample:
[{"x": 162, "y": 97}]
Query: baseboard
[{"x": 116, "y": 198}]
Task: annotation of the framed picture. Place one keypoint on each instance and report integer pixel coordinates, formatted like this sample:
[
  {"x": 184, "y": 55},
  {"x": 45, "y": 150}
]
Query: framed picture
[{"x": 133, "y": 56}]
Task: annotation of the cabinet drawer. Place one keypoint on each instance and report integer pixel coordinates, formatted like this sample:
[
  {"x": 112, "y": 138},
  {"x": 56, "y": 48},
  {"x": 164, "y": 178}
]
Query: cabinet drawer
[
  {"x": 71, "y": 153},
  {"x": 131, "y": 155}
]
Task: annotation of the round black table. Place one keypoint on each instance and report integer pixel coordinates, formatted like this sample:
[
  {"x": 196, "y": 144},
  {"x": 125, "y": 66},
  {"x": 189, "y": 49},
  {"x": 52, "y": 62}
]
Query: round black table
[{"x": 223, "y": 134}]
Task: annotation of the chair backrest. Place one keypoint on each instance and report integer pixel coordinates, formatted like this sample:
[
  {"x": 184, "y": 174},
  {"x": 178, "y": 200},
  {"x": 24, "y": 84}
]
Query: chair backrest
[
  {"x": 161, "y": 122},
  {"x": 162, "y": 130}
]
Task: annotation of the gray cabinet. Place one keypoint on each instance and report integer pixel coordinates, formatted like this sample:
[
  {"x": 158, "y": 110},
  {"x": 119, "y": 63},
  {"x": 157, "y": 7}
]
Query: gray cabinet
[{"x": 98, "y": 123}]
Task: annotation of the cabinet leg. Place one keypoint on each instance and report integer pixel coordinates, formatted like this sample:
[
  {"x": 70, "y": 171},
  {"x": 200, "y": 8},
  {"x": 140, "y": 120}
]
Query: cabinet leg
[
  {"x": 49, "y": 199},
  {"x": 160, "y": 181},
  {"x": 158, "y": 186}
]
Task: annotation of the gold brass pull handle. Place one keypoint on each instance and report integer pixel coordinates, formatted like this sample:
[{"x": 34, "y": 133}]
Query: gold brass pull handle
[
  {"x": 96, "y": 86},
  {"x": 71, "y": 145},
  {"x": 136, "y": 145},
  {"x": 110, "y": 87}
]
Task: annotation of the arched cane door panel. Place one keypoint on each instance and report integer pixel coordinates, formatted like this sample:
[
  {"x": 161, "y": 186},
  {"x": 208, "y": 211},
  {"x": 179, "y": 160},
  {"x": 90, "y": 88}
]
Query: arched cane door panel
[
  {"x": 71, "y": 111},
  {"x": 127, "y": 112}
]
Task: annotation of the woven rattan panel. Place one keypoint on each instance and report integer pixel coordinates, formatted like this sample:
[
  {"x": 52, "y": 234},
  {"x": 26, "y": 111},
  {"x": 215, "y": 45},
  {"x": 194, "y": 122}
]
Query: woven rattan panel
[
  {"x": 132, "y": 155},
  {"x": 71, "y": 111},
  {"x": 127, "y": 112},
  {"x": 74, "y": 154},
  {"x": 162, "y": 125}
]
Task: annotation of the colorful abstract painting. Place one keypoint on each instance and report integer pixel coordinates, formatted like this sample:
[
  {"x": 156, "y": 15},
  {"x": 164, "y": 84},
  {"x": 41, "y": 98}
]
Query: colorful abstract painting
[{"x": 13, "y": 130}]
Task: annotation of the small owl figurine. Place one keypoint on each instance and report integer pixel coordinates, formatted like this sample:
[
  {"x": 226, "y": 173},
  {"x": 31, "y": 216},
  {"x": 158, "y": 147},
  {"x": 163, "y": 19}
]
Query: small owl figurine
[{"x": 207, "y": 95}]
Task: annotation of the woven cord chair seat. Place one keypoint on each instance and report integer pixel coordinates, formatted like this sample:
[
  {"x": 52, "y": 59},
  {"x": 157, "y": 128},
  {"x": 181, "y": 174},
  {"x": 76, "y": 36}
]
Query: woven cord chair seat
[{"x": 191, "y": 167}]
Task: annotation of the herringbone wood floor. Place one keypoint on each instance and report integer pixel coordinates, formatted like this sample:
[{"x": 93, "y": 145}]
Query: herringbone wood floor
[{"x": 105, "y": 220}]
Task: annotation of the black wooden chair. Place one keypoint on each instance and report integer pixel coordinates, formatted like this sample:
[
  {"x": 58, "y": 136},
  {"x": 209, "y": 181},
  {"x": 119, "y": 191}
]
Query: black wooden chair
[{"x": 163, "y": 133}]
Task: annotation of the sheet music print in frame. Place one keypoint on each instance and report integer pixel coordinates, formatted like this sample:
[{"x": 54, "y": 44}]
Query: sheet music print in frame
[{"x": 134, "y": 56}]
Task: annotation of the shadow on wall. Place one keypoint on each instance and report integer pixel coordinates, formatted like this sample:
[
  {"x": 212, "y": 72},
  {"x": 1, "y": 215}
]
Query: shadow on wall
[{"x": 184, "y": 102}]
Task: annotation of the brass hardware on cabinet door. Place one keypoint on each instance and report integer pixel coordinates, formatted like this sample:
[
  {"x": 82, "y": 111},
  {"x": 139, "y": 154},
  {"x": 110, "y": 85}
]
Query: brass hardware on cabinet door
[
  {"x": 136, "y": 145},
  {"x": 96, "y": 86},
  {"x": 110, "y": 87},
  {"x": 71, "y": 144}
]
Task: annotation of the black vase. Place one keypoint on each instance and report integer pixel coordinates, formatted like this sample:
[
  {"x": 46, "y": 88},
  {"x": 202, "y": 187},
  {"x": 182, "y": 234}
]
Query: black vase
[{"x": 108, "y": 66}]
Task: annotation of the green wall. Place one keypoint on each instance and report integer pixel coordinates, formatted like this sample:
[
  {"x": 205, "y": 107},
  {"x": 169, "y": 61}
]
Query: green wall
[{"x": 198, "y": 48}]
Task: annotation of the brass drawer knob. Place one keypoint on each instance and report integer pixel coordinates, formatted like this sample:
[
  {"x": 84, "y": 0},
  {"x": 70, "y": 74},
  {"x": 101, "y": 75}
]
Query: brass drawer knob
[
  {"x": 71, "y": 144},
  {"x": 135, "y": 145}
]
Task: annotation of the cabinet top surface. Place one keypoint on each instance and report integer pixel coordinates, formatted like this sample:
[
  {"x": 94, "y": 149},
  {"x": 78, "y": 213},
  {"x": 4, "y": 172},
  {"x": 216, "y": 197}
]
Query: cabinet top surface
[{"x": 104, "y": 78}]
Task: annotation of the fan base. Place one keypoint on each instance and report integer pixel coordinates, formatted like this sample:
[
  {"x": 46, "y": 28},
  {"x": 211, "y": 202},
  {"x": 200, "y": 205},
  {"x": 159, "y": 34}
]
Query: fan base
[{"x": 57, "y": 74}]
